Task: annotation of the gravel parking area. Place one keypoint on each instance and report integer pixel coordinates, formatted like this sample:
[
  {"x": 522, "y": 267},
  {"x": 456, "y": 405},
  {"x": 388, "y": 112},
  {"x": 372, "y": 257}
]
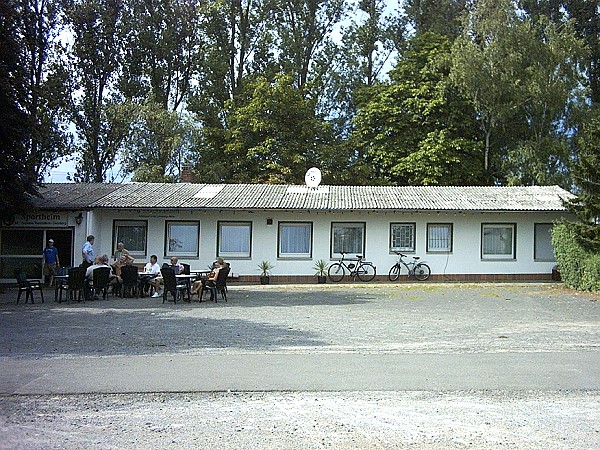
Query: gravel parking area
[{"x": 366, "y": 319}]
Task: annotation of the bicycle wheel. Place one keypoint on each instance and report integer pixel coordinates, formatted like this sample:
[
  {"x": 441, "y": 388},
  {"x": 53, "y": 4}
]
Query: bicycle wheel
[
  {"x": 394, "y": 272},
  {"x": 336, "y": 272},
  {"x": 422, "y": 272},
  {"x": 365, "y": 272}
]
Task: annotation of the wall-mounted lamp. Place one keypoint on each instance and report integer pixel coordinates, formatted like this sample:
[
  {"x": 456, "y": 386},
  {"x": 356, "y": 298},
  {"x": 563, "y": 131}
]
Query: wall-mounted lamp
[{"x": 79, "y": 219}]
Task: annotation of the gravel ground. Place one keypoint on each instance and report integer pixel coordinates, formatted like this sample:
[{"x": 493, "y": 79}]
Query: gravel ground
[
  {"x": 383, "y": 318},
  {"x": 300, "y": 420}
]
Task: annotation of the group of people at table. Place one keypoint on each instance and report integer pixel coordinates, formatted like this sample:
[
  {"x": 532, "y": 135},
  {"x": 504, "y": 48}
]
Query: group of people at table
[{"x": 150, "y": 277}]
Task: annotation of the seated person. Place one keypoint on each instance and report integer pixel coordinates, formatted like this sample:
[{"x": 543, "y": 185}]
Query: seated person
[
  {"x": 121, "y": 258},
  {"x": 176, "y": 265},
  {"x": 152, "y": 267},
  {"x": 151, "y": 276},
  {"x": 99, "y": 261},
  {"x": 211, "y": 279},
  {"x": 117, "y": 265},
  {"x": 220, "y": 262}
]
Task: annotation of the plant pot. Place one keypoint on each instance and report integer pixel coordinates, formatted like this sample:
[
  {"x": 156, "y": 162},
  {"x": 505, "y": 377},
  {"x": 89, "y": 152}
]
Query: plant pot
[
  {"x": 322, "y": 279},
  {"x": 264, "y": 280}
]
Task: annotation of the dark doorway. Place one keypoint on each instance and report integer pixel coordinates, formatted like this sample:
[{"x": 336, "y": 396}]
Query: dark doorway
[{"x": 63, "y": 241}]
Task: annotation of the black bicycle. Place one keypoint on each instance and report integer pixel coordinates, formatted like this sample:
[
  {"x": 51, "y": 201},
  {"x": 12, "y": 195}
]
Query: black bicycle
[
  {"x": 420, "y": 270},
  {"x": 365, "y": 271}
]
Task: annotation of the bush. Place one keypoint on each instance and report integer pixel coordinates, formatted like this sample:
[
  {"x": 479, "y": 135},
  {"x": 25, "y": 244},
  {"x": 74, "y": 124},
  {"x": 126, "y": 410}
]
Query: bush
[{"x": 579, "y": 268}]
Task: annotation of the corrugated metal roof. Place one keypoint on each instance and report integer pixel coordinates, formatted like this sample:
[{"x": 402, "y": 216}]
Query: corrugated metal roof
[{"x": 294, "y": 198}]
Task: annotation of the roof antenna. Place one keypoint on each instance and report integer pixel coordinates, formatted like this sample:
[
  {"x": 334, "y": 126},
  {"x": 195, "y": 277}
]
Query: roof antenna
[{"x": 312, "y": 178}]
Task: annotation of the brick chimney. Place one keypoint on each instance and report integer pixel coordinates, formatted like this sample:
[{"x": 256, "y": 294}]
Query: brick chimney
[{"x": 187, "y": 174}]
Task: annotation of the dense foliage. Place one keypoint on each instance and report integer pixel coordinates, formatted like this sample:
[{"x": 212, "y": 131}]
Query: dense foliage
[
  {"x": 16, "y": 178},
  {"x": 579, "y": 268},
  {"x": 586, "y": 173},
  {"x": 436, "y": 92}
]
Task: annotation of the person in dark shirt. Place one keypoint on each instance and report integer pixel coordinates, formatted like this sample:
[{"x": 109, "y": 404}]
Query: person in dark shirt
[{"x": 50, "y": 261}]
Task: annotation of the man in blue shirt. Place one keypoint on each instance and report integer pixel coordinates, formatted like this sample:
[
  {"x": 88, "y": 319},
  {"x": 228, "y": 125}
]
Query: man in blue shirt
[
  {"x": 50, "y": 261},
  {"x": 87, "y": 252}
]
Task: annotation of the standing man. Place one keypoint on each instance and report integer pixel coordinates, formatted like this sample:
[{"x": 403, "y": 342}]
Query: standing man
[
  {"x": 50, "y": 261},
  {"x": 87, "y": 252}
]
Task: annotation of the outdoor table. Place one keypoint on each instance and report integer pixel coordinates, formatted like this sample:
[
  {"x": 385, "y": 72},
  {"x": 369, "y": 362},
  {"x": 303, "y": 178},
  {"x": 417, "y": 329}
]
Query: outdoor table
[{"x": 200, "y": 272}]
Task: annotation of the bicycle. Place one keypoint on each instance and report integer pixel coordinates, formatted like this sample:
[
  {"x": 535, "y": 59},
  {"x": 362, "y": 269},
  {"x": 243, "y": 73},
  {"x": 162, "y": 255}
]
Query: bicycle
[
  {"x": 420, "y": 270},
  {"x": 365, "y": 271}
]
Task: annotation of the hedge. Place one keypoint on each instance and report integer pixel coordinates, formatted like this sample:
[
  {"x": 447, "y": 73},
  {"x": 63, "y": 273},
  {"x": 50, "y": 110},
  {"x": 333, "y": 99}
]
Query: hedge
[{"x": 578, "y": 268}]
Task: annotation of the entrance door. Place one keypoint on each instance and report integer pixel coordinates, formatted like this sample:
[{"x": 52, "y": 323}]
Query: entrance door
[{"x": 63, "y": 241}]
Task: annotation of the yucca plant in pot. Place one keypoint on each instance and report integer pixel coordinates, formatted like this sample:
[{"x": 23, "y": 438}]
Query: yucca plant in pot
[
  {"x": 265, "y": 268},
  {"x": 321, "y": 270}
]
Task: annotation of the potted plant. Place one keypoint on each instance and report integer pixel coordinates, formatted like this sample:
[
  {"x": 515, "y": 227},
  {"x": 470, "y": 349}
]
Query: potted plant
[
  {"x": 265, "y": 268},
  {"x": 321, "y": 270}
]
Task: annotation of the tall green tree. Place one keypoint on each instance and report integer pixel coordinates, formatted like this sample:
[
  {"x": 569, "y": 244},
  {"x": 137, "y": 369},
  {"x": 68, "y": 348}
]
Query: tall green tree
[
  {"x": 418, "y": 129},
  {"x": 95, "y": 106},
  {"x": 160, "y": 67},
  {"x": 441, "y": 17},
  {"x": 275, "y": 135},
  {"x": 522, "y": 80},
  {"x": 17, "y": 178},
  {"x": 304, "y": 41},
  {"x": 238, "y": 46},
  {"x": 488, "y": 65},
  {"x": 366, "y": 50},
  {"x": 551, "y": 96},
  {"x": 39, "y": 27},
  {"x": 156, "y": 144},
  {"x": 586, "y": 174},
  {"x": 164, "y": 52},
  {"x": 585, "y": 15}
]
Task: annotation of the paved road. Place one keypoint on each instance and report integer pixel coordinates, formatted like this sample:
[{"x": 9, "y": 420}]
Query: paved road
[{"x": 397, "y": 353}]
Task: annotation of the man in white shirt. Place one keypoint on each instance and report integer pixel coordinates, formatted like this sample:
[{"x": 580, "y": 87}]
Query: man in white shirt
[
  {"x": 152, "y": 272},
  {"x": 152, "y": 267},
  {"x": 100, "y": 261}
]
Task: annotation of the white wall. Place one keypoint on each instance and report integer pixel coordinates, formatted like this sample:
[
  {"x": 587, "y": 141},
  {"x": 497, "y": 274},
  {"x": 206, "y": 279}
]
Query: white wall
[{"x": 464, "y": 259}]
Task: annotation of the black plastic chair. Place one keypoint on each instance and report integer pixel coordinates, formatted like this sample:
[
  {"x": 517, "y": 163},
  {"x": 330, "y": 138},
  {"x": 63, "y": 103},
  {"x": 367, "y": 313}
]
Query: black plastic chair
[
  {"x": 100, "y": 281},
  {"x": 60, "y": 283},
  {"x": 130, "y": 282},
  {"x": 27, "y": 286},
  {"x": 74, "y": 285},
  {"x": 186, "y": 268},
  {"x": 219, "y": 286},
  {"x": 171, "y": 285}
]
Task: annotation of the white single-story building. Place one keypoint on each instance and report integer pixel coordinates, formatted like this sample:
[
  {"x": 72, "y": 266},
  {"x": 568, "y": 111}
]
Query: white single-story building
[{"x": 464, "y": 233}]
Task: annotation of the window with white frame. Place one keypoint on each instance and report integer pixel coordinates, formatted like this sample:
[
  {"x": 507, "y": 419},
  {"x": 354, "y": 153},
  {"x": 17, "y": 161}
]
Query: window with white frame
[
  {"x": 133, "y": 234},
  {"x": 348, "y": 238},
  {"x": 182, "y": 238},
  {"x": 498, "y": 240},
  {"x": 439, "y": 237},
  {"x": 295, "y": 239},
  {"x": 234, "y": 239},
  {"x": 543, "y": 248},
  {"x": 402, "y": 237}
]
